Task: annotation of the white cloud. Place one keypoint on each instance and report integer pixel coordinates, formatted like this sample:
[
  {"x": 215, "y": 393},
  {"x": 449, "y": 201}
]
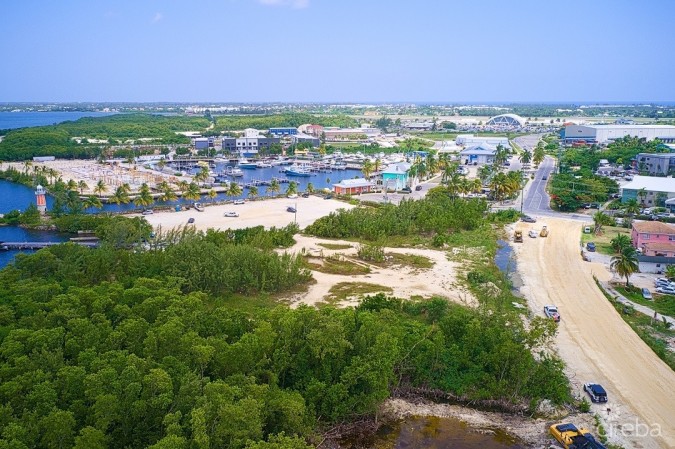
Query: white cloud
[
  {"x": 158, "y": 16},
  {"x": 295, "y": 4}
]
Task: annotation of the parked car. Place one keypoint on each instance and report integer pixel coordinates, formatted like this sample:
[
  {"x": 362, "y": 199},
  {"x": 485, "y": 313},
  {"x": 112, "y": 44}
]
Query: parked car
[
  {"x": 293, "y": 196},
  {"x": 666, "y": 290},
  {"x": 240, "y": 201},
  {"x": 191, "y": 220},
  {"x": 418, "y": 188},
  {"x": 532, "y": 234},
  {"x": 291, "y": 209},
  {"x": 544, "y": 178},
  {"x": 328, "y": 197},
  {"x": 230, "y": 214},
  {"x": 406, "y": 189},
  {"x": 596, "y": 392},
  {"x": 590, "y": 246},
  {"x": 148, "y": 212},
  {"x": 646, "y": 294},
  {"x": 552, "y": 312},
  {"x": 305, "y": 195},
  {"x": 528, "y": 219}
]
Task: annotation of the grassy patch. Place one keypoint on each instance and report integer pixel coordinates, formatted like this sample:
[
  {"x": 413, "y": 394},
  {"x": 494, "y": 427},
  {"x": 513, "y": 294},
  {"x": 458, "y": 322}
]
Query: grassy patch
[
  {"x": 410, "y": 260},
  {"x": 602, "y": 242},
  {"x": 664, "y": 304},
  {"x": 653, "y": 333},
  {"x": 337, "y": 265},
  {"x": 335, "y": 245},
  {"x": 344, "y": 290}
]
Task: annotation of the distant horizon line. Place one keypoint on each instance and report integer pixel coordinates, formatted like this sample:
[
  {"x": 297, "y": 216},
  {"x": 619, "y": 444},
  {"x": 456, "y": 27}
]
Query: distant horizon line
[{"x": 360, "y": 103}]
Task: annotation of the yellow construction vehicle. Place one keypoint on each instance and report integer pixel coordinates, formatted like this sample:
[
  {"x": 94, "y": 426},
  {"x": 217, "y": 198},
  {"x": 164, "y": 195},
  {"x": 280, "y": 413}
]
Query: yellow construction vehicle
[
  {"x": 518, "y": 236},
  {"x": 544, "y": 231},
  {"x": 572, "y": 438}
]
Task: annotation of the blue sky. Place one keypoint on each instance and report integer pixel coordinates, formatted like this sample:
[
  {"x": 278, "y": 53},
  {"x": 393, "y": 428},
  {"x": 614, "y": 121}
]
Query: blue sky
[{"x": 337, "y": 50}]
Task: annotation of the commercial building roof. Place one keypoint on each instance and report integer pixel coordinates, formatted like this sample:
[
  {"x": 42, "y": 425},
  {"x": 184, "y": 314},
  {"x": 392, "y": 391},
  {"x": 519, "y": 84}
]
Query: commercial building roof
[
  {"x": 483, "y": 148},
  {"x": 653, "y": 227},
  {"x": 651, "y": 184},
  {"x": 358, "y": 182}
]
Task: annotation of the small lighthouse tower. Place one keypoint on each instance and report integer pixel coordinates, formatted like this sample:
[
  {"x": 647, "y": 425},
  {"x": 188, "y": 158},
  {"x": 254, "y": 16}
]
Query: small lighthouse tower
[{"x": 41, "y": 200}]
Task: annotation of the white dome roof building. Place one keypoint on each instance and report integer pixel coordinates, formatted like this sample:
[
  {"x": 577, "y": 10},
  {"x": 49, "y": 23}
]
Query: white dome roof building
[{"x": 507, "y": 120}]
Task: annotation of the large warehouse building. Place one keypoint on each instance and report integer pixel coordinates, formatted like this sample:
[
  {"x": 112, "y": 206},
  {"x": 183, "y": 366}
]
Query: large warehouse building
[{"x": 606, "y": 133}]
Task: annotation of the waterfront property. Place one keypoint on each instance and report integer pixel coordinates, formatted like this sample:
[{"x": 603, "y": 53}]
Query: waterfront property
[
  {"x": 305, "y": 138},
  {"x": 250, "y": 144},
  {"x": 395, "y": 176},
  {"x": 654, "y": 238},
  {"x": 649, "y": 190},
  {"x": 353, "y": 186}
]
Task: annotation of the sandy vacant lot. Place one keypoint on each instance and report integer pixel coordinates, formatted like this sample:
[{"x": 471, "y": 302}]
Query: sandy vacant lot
[
  {"x": 440, "y": 280},
  {"x": 254, "y": 213},
  {"x": 595, "y": 342}
]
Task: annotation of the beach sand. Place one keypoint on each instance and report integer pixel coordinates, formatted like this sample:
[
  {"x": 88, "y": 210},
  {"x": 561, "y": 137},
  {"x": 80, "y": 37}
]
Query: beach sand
[{"x": 268, "y": 213}]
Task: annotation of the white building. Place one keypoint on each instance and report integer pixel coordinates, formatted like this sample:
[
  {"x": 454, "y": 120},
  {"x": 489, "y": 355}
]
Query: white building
[
  {"x": 656, "y": 190},
  {"x": 469, "y": 140},
  {"x": 478, "y": 154},
  {"x": 607, "y": 133}
]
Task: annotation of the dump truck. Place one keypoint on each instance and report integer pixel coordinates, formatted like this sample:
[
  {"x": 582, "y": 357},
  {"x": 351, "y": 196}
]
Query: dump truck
[
  {"x": 518, "y": 236},
  {"x": 572, "y": 438},
  {"x": 544, "y": 231}
]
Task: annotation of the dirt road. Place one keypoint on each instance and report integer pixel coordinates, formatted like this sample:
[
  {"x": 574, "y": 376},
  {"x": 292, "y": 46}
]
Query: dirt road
[{"x": 595, "y": 342}]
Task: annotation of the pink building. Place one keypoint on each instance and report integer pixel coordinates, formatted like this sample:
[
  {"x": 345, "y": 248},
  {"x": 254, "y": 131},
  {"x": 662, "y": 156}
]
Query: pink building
[{"x": 654, "y": 238}]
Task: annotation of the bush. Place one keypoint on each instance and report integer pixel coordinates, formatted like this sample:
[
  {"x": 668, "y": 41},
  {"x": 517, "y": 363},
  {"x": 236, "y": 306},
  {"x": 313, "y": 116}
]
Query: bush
[{"x": 371, "y": 253}]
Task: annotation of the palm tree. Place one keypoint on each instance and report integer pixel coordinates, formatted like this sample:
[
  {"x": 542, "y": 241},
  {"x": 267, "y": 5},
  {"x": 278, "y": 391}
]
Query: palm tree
[
  {"x": 484, "y": 173},
  {"x": 212, "y": 194},
  {"x": 119, "y": 197},
  {"x": 310, "y": 187},
  {"x": 161, "y": 164},
  {"x": 632, "y": 206},
  {"x": 100, "y": 188},
  {"x": 202, "y": 175},
  {"x": 538, "y": 155},
  {"x": 273, "y": 187},
  {"x": 183, "y": 186},
  {"x": 252, "y": 192},
  {"x": 82, "y": 185},
  {"x": 92, "y": 201},
  {"x": 144, "y": 197},
  {"x": 72, "y": 185},
  {"x": 600, "y": 219},
  {"x": 167, "y": 192},
  {"x": 525, "y": 157},
  {"x": 642, "y": 193},
  {"x": 501, "y": 155},
  {"x": 670, "y": 272},
  {"x": 292, "y": 188},
  {"x": 367, "y": 169},
  {"x": 192, "y": 192},
  {"x": 233, "y": 190},
  {"x": 625, "y": 263},
  {"x": 126, "y": 188},
  {"x": 620, "y": 242},
  {"x": 377, "y": 165}
]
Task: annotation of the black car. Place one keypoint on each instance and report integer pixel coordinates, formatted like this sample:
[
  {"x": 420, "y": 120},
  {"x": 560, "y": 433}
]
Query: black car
[
  {"x": 590, "y": 246},
  {"x": 596, "y": 392},
  {"x": 291, "y": 209},
  {"x": 545, "y": 177},
  {"x": 305, "y": 195},
  {"x": 528, "y": 219},
  {"x": 418, "y": 188},
  {"x": 406, "y": 190},
  {"x": 191, "y": 220}
]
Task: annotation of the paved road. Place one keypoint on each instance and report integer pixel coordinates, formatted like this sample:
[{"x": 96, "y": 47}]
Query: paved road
[{"x": 536, "y": 199}]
